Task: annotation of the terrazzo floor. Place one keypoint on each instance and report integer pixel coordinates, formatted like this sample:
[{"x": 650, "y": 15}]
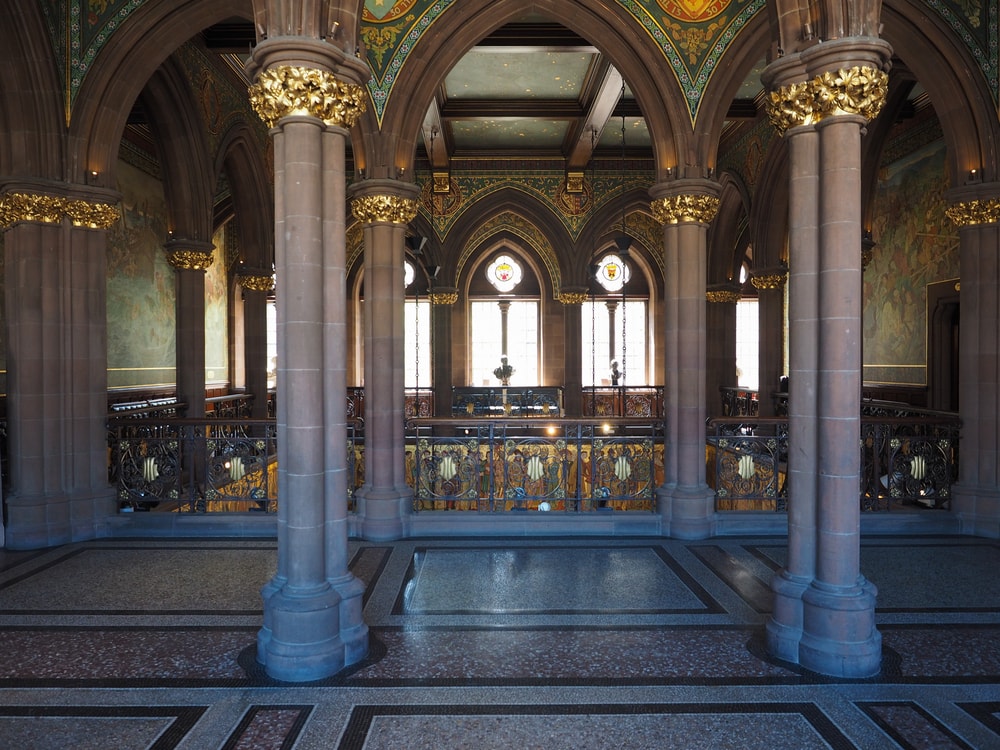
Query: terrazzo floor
[{"x": 498, "y": 643}]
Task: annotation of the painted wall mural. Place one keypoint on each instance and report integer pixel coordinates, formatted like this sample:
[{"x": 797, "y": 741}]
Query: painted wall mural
[
  {"x": 216, "y": 315},
  {"x": 140, "y": 293},
  {"x": 916, "y": 245}
]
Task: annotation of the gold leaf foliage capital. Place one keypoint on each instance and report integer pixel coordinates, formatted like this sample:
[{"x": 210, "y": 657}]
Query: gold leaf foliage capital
[
  {"x": 288, "y": 90},
  {"x": 974, "y": 213},
  {"x": 385, "y": 209},
  {"x": 190, "y": 260},
  {"x": 858, "y": 90},
  {"x": 722, "y": 296},
  {"x": 573, "y": 298},
  {"x": 51, "y": 209},
  {"x": 443, "y": 298},
  {"x": 680, "y": 209}
]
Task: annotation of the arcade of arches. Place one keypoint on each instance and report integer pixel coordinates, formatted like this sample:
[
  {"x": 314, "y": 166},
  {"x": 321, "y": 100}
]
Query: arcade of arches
[{"x": 159, "y": 160}]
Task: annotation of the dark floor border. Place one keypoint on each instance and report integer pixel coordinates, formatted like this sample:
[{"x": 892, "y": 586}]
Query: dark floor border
[
  {"x": 361, "y": 717},
  {"x": 185, "y": 717},
  {"x": 899, "y": 734}
]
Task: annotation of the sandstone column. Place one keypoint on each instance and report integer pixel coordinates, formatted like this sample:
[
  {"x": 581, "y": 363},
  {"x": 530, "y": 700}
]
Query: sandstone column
[
  {"x": 720, "y": 322},
  {"x": 384, "y": 208},
  {"x": 190, "y": 260},
  {"x": 685, "y": 208},
  {"x": 845, "y": 87},
  {"x": 572, "y": 300},
  {"x": 55, "y": 249},
  {"x": 976, "y": 497},
  {"x": 308, "y": 93},
  {"x": 256, "y": 287}
]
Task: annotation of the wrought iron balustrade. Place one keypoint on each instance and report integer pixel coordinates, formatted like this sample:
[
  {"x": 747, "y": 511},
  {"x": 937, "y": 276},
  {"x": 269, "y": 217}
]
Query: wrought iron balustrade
[
  {"x": 561, "y": 465},
  {"x": 623, "y": 401},
  {"x": 507, "y": 401}
]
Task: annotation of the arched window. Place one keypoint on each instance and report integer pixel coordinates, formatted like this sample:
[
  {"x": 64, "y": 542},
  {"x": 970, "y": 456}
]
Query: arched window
[
  {"x": 503, "y": 321},
  {"x": 614, "y": 336},
  {"x": 417, "y": 328}
]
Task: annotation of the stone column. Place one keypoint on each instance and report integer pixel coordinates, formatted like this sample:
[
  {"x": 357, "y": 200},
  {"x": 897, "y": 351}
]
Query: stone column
[
  {"x": 312, "y": 615},
  {"x": 55, "y": 249},
  {"x": 572, "y": 300},
  {"x": 770, "y": 286},
  {"x": 685, "y": 208},
  {"x": 442, "y": 302},
  {"x": 720, "y": 322},
  {"x": 784, "y": 628},
  {"x": 256, "y": 288},
  {"x": 384, "y": 208},
  {"x": 190, "y": 260},
  {"x": 975, "y": 501},
  {"x": 845, "y": 88}
]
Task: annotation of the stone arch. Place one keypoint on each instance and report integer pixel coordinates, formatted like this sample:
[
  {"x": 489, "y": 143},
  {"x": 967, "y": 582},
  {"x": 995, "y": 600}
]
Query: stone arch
[
  {"x": 965, "y": 105},
  {"x": 617, "y": 35},
  {"x": 187, "y": 169},
  {"x": 730, "y": 233},
  {"x": 240, "y": 159},
  {"x": 140, "y": 44},
  {"x": 31, "y": 103}
]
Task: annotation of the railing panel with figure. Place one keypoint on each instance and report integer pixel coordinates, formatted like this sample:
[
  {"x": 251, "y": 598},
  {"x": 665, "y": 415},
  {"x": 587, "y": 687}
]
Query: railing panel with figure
[
  {"x": 904, "y": 462},
  {"x": 418, "y": 402},
  {"x": 190, "y": 465},
  {"x": 510, "y": 466}
]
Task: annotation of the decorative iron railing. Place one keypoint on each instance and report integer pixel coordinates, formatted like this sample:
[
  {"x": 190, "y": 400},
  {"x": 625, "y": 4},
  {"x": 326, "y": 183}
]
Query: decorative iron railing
[
  {"x": 623, "y": 401},
  {"x": 233, "y": 406},
  {"x": 905, "y": 462},
  {"x": 510, "y": 401},
  {"x": 565, "y": 465},
  {"x": 418, "y": 402},
  {"x": 189, "y": 465}
]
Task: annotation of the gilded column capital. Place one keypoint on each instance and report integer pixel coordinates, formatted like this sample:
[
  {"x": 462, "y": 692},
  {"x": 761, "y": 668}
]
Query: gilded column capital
[
  {"x": 287, "y": 90},
  {"x": 859, "y": 90},
  {"x": 256, "y": 283},
  {"x": 974, "y": 212},
  {"x": 730, "y": 296},
  {"x": 190, "y": 255},
  {"x": 449, "y": 297},
  {"x": 685, "y": 208},
  {"x": 382, "y": 208},
  {"x": 767, "y": 281},
  {"x": 572, "y": 298},
  {"x": 52, "y": 209}
]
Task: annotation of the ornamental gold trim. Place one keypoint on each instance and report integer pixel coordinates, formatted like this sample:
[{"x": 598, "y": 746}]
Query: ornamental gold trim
[
  {"x": 974, "y": 213},
  {"x": 723, "y": 295},
  {"x": 52, "y": 209},
  {"x": 860, "y": 90},
  {"x": 257, "y": 283},
  {"x": 391, "y": 209},
  {"x": 769, "y": 281},
  {"x": 286, "y": 90},
  {"x": 443, "y": 298},
  {"x": 572, "y": 298},
  {"x": 682, "y": 209},
  {"x": 190, "y": 260}
]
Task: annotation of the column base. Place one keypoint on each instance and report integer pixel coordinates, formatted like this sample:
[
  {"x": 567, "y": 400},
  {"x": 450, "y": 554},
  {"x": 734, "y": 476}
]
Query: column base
[
  {"x": 301, "y": 639},
  {"x": 353, "y": 629},
  {"x": 691, "y": 511},
  {"x": 381, "y": 513},
  {"x": 43, "y": 521},
  {"x": 977, "y": 510},
  {"x": 783, "y": 631},
  {"x": 839, "y": 638}
]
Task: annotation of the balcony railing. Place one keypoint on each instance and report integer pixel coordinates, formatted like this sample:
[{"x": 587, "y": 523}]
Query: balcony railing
[
  {"x": 563, "y": 465},
  {"x": 623, "y": 401}
]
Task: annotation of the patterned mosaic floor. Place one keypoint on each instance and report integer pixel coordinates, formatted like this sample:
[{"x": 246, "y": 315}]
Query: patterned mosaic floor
[{"x": 559, "y": 643}]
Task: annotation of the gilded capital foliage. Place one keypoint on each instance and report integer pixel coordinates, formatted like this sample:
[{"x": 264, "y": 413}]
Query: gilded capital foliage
[
  {"x": 680, "y": 209},
  {"x": 92, "y": 215},
  {"x": 723, "y": 295},
  {"x": 391, "y": 209},
  {"x": 573, "y": 298},
  {"x": 443, "y": 298},
  {"x": 190, "y": 260},
  {"x": 860, "y": 90},
  {"x": 51, "y": 209},
  {"x": 257, "y": 283},
  {"x": 287, "y": 90},
  {"x": 972, "y": 213},
  {"x": 769, "y": 281}
]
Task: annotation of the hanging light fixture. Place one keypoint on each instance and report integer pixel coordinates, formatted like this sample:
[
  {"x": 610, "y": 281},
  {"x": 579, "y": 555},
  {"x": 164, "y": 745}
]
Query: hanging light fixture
[{"x": 623, "y": 243}]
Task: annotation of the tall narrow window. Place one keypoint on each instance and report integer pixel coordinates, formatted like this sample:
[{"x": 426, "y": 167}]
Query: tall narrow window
[
  {"x": 614, "y": 329},
  {"x": 747, "y": 355},
  {"x": 417, "y": 327},
  {"x": 504, "y": 325}
]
